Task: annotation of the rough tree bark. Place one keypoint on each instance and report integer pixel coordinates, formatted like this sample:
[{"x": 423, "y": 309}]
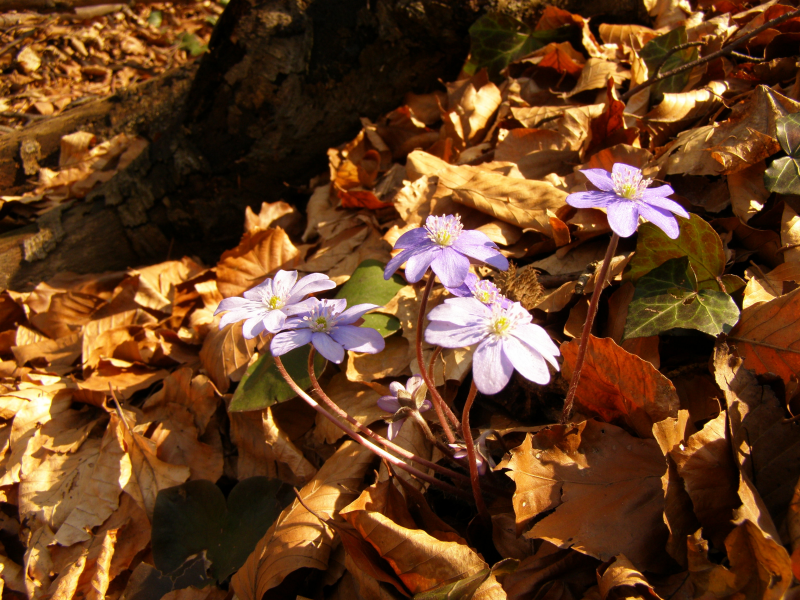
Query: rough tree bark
[{"x": 283, "y": 81}]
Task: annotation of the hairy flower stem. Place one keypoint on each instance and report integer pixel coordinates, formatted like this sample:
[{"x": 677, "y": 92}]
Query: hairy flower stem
[
  {"x": 473, "y": 463},
  {"x": 402, "y": 452},
  {"x": 438, "y": 402},
  {"x": 434, "y": 355},
  {"x": 390, "y": 458},
  {"x": 587, "y": 326}
]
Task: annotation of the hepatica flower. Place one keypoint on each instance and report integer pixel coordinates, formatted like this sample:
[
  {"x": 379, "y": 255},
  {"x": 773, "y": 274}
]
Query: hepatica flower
[
  {"x": 483, "y": 290},
  {"x": 444, "y": 246},
  {"x": 266, "y": 306},
  {"x": 505, "y": 336},
  {"x": 625, "y": 196},
  {"x": 412, "y": 395},
  {"x": 483, "y": 459},
  {"x": 329, "y": 328}
]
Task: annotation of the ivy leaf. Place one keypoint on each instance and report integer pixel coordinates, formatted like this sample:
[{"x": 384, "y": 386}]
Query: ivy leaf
[
  {"x": 498, "y": 40},
  {"x": 783, "y": 174},
  {"x": 263, "y": 386},
  {"x": 698, "y": 241},
  {"x": 195, "y": 516},
  {"x": 656, "y": 53},
  {"x": 367, "y": 285},
  {"x": 669, "y": 297}
]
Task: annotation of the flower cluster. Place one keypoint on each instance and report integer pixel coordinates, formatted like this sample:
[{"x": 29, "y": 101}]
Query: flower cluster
[
  {"x": 625, "y": 195},
  {"x": 280, "y": 306}
]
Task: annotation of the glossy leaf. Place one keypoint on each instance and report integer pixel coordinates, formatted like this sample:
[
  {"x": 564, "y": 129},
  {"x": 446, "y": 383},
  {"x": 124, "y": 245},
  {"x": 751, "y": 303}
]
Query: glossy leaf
[
  {"x": 669, "y": 297},
  {"x": 262, "y": 384},
  {"x": 367, "y": 285},
  {"x": 698, "y": 241},
  {"x": 195, "y": 517},
  {"x": 498, "y": 40},
  {"x": 783, "y": 174},
  {"x": 656, "y": 53}
]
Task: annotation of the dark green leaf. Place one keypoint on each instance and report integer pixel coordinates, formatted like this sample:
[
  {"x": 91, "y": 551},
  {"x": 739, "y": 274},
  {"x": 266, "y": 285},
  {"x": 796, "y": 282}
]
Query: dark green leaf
[
  {"x": 463, "y": 589},
  {"x": 656, "y": 53},
  {"x": 669, "y": 297},
  {"x": 498, "y": 40},
  {"x": 190, "y": 43},
  {"x": 194, "y": 517},
  {"x": 788, "y": 129},
  {"x": 697, "y": 240},
  {"x": 783, "y": 176},
  {"x": 262, "y": 384},
  {"x": 367, "y": 285}
]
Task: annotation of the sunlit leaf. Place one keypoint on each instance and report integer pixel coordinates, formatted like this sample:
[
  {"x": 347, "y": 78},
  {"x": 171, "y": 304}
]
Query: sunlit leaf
[
  {"x": 783, "y": 174},
  {"x": 263, "y": 385},
  {"x": 498, "y": 40},
  {"x": 669, "y": 297},
  {"x": 367, "y": 285},
  {"x": 658, "y": 53}
]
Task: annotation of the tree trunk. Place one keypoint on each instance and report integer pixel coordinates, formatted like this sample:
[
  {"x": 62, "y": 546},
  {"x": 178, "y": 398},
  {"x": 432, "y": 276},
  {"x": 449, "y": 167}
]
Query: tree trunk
[{"x": 282, "y": 82}]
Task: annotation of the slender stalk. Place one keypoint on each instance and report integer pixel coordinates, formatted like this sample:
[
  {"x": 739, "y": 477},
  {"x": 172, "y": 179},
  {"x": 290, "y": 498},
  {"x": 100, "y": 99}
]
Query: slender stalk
[
  {"x": 473, "y": 463},
  {"x": 728, "y": 49},
  {"x": 366, "y": 443},
  {"x": 438, "y": 402},
  {"x": 587, "y": 327},
  {"x": 371, "y": 434},
  {"x": 434, "y": 355}
]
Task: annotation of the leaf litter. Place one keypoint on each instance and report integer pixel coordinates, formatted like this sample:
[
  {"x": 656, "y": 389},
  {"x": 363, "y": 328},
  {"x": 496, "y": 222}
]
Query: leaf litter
[{"x": 122, "y": 402}]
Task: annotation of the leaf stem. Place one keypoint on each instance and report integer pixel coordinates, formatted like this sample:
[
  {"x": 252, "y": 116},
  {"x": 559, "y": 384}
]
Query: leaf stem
[
  {"x": 364, "y": 442},
  {"x": 402, "y": 452},
  {"x": 587, "y": 327},
  {"x": 472, "y": 458},
  {"x": 438, "y": 402},
  {"x": 728, "y": 49}
]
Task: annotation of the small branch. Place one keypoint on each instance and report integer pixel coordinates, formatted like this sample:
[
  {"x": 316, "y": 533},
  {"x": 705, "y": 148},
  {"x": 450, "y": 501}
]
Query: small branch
[
  {"x": 703, "y": 60},
  {"x": 754, "y": 59},
  {"x": 675, "y": 49},
  {"x": 472, "y": 458},
  {"x": 366, "y": 443},
  {"x": 587, "y": 327},
  {"x": 438, "y": 402}
]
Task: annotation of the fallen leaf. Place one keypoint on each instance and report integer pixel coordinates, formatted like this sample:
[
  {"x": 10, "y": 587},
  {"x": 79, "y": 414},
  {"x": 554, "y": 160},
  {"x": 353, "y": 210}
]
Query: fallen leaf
[
  {"x": 597, "y": 72},
  {"x": 226, "y": 353},
  {"x": 297, "y": 539},
  {"x": 621, "y": 387},
  {"x": 748, "y": 194},
  {"x": 620, "y": 573},
  {"x": 356, "y": 399},
  {"x": 790, "y": 233},
  {"x": 615, "y": 508},
  {"x": 765, "y": 287}
]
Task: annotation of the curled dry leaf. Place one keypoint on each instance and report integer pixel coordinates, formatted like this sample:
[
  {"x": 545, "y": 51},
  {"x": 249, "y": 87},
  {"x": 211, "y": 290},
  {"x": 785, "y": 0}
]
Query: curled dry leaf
[
  {"x": 615, "y": 508},
  {"x": 763, "y": 287},
  {"x": 297, "y": 539},
  {"x": 621, "y": 387},
  {"x": 226, "y": 353},
  {"x": 620, "y": 573}
]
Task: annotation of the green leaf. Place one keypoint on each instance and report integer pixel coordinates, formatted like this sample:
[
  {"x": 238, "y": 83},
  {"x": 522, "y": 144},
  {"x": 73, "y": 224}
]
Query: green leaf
[
  {"x": 669, "y": 297},
  {"x": 367, "y": 285},
  {"x": 656, "y": 53},
  {"x": 498, "y": 40},
  {"x": 195, "y": 517},
  {"x": 154, "y": 18},
  {"x": 464, "y": 589},
  {"x": 189, "y": 42},
  {"x": 783, "y": 174},
  {"x": 263, "y": 386},
  {"x": 697, "y": 240}
]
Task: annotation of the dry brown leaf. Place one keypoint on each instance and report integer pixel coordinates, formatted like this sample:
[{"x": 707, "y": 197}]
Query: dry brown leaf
[
  {"x": 621, "y": 387},
  {"x": 64, "y": 586},
  {"x": 226, "y": 353},
  {"x": 123, "y": 377},
  {"x": 469, "y": 116},
  {"x": 11, "y": 575},
  {"x": 706, "y": 465},
  {"x": 620, "y": 573},
  {"x": 392, "y": 361},
  {"x": 645, "y": 348},
  {"x": 633, "y": 36},
  {"x": 760, "y": 567},
  {"x": 790, "y": 233},
  {"x": 266, "y": 450},
  {"x": 616, "y": 507},
  {"x": 536, "y": 152},
  {"x": 258, "y": 256},
  {"x": 767, "y": 336},
  {"x": 65, "y": 313},
  {"x": 763, "y": 287},
  {"x": 270, "y": 212},
  {"x": 747, "y": 137},
  {"x": 524, "y": 203},
  {"x": 596, "y": 74},
  {"x": 94, "y": 329},
  {"x": 678, "y": 111},
  {"x": 189, "y": 400},
  {"x": 57, "y": 356},
  {"x": 356, "y": 399},
  {"x": 340, "y": 255},
  {"x": 178, "y": 445},
  {"x": 419, "y": 559},
  {"x": 157, "y": 283},
  {"x": 297, "y": 539},
  {"x": 748, "y": 194}
]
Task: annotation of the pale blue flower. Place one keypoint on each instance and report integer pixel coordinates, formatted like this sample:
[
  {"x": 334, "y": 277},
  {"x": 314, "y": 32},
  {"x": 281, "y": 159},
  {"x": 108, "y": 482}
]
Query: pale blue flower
[
  {"x": 483, "y": 290},
  {"x": 411, "y": 395},
  {"x": 266, "y": 306}
]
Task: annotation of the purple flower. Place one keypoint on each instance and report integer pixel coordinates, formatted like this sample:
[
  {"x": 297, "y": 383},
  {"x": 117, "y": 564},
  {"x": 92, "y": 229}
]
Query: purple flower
[
  {"x": 443, "y": 246},
  {"x": 625, "y": 196},
  {"x": 506, "y": 339},
  {"x": 329, "y": 328},
  {"x": 266, "y": 306},
  {"x": 411, "y": 396},
  {"x": 483, "y": 290},
  {"x": 483, "y": 459}
]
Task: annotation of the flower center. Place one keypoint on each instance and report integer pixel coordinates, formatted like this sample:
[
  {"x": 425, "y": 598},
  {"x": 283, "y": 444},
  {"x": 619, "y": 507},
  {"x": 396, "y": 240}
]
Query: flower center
[
  {"x": 486, "y": 292},
  {"x": 274, "y": 302},
  {"x": 443, "y": 231},
  {"x": 504, "y": 320},
  {"x": 630, "y": 184},
  {"x": 321, "y": 319}
]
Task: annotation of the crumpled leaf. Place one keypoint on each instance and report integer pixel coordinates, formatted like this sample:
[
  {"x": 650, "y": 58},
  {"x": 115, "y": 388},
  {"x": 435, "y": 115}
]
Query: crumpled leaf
[
  {"x": 615, "y": 507},
  {"x": 620, "y": 387},
  {"x": 620, "y": 573}
]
